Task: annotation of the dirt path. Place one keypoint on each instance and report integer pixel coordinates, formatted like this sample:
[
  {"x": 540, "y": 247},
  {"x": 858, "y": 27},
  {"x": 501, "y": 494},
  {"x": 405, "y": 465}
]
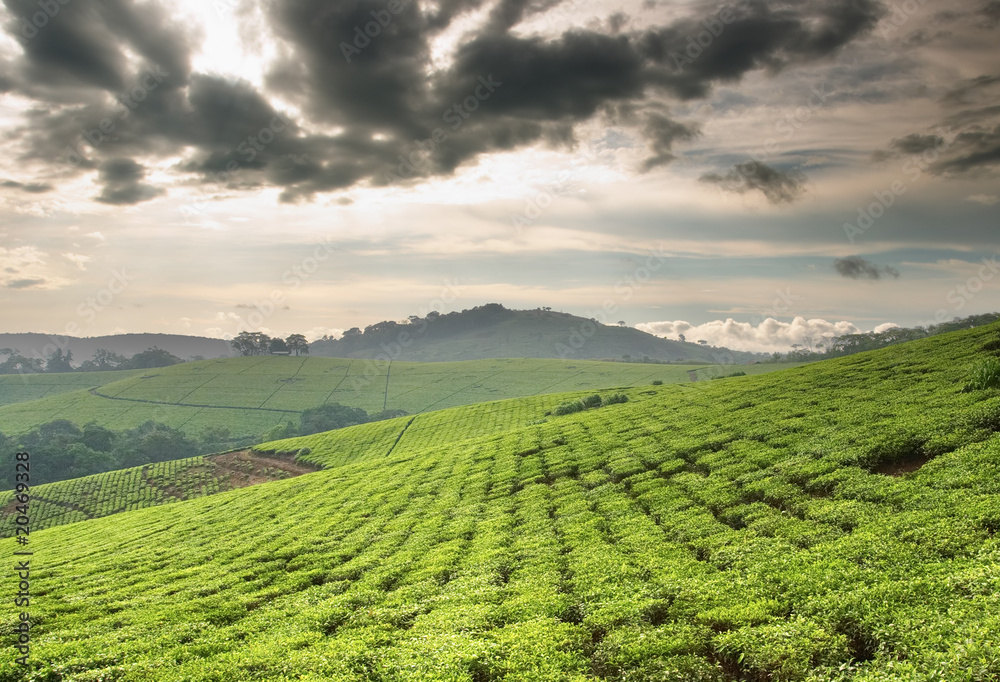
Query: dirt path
[
  {"x": 693, "y": 374},
  {"x": 246, "y": 468}
]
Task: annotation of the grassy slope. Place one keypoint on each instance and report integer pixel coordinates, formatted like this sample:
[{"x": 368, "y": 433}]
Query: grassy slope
[
  {"x": 271, "y": 390},
  {"x": 127, "y": 489},
  {"x": 18, "y": 388},
  {"x": 724, "y": 530}
]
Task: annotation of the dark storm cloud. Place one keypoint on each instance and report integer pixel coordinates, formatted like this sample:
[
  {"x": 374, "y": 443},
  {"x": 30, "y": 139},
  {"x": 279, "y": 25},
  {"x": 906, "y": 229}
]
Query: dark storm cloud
[
  {"x": 971, "y": 152},
  {"x": 31, "y": 188},
  {"x": 990, "y": 12},
  {"x": 856, "y": 267},
  {"x": 84, "y": 44},
  {"x": 378, "y": 91},
  {"x": 122, "y": 179},
  {"x": 972, "y": 146},
  {"x": 778, "y": 186},
  {"x": 692, "y": 54},
  {"x": 662, "y": 132}
]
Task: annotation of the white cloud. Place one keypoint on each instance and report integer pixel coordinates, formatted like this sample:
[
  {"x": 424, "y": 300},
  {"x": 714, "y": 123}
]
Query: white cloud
[
  {"x": 77, "y": 258},
  {"x": 769, "y": 336},
  {"x": 320, "y": 332},
  {"x": 97, "y": 235}
]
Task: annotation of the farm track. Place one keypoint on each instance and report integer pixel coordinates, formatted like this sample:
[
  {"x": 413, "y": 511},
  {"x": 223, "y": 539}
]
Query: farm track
[{"x": 94, "y": 392}]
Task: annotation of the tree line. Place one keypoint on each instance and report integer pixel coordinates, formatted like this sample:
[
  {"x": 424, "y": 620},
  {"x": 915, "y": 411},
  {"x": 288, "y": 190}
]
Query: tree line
[
  {"x": 102, "y": 361},
  {"x": 258, "y": 343}
]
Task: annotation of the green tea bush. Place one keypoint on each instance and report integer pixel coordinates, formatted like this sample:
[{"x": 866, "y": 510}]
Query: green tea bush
[
  {"x": 986, "y": 374},
  {"x": 615, "y": 399},
  {"x": 568, "y": 408},
  {"x": 591, "y": 401}
]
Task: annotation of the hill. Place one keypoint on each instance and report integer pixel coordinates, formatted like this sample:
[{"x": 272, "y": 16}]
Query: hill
[
  {"x": 492, "y": 331},
  {"x": 250, "y": 395},
  {"x": 41, "y": 345},
  {"x": 830, "y": 522}
]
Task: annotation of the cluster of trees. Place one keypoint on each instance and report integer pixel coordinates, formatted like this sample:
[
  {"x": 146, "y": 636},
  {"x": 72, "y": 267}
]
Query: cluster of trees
[
  {"x": 327, "y": 418},
  {"x": 258, "y": 343},
  {"x": 61, "y": 450},
  {"x": 103, "y": 360},
  {"x": 433, "y": 325}
]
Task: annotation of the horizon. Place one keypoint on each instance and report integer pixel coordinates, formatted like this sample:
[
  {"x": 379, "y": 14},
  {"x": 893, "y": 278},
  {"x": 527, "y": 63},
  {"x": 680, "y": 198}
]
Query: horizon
[{"x": 326, "y": 168}]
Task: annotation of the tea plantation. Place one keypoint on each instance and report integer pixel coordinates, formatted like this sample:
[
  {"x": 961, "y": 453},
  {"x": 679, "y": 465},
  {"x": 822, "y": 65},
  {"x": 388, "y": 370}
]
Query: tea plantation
[
  {"x": 249, "y": 395},
  {"x": 831, "y": 522}
]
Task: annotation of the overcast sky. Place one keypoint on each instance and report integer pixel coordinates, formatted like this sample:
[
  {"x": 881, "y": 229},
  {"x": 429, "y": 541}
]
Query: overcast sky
[{"x": 687, "y": 167}]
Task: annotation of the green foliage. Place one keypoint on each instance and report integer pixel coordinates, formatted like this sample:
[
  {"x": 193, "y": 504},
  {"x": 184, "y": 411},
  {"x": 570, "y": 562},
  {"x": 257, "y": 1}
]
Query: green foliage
[
  {"x": 985, "y": 374},
  {"x": 330, "y": 416},
  {"x": 657, "y": 382},
  {"x": 60, "y": 449},
  {"x": 733, "y": 374},
  {"x": 713, "y": 531}
]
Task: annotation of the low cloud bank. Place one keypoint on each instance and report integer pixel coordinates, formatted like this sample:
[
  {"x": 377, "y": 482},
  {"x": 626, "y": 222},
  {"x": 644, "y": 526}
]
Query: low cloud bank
[{"x": 768, "y": 336}]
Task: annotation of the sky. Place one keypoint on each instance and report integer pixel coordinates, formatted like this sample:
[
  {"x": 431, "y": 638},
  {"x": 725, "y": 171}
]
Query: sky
[{"x": 754, "y": 174}]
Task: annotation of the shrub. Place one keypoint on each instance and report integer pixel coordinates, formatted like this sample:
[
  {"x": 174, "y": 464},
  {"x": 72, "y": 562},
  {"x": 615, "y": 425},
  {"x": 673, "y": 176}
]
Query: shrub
[
  {"x": 615, "y": 398},
  {"x": 985, "y": 374},
  {"x": 657, "y": 382},
  {"x": 304, "y": 451},
  {"x": 592, "y": 401},
  {"x": 734, "y": 374},
  {"x": 568, "y": 408}
]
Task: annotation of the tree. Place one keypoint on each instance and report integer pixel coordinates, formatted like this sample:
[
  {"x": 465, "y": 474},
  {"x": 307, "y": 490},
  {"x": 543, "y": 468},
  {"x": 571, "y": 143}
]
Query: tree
[
  {"x": 106, "y": 360},
  {"x": 330, "y": 416},
  {"x": 681, "y": 338},
  {"x": 18, "y": 364},
  {"x": 277, "y": 345},
  {"x": 251, "y": 343},
  {"x": 297, "y": 344},
  {"x": 703, "y": 342},
  {"x": 57, "y": 361},
  {"x": 621, "y": 323},
  {"x": 152, "y": 357}
]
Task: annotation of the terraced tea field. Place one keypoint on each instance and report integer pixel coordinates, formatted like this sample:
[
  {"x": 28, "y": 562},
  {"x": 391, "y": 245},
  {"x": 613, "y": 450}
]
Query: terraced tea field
[
  {"x": 832, "y": 522},
  {"x": 19, "y": 388},
  {"x": 250, "y": 395},
  {"x": 91, "y": 497}
]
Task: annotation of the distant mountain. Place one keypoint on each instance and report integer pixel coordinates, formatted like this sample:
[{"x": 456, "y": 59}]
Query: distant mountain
[
  {"x": 492, "y": 331},
  {"x": 184, "y": 347}
]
